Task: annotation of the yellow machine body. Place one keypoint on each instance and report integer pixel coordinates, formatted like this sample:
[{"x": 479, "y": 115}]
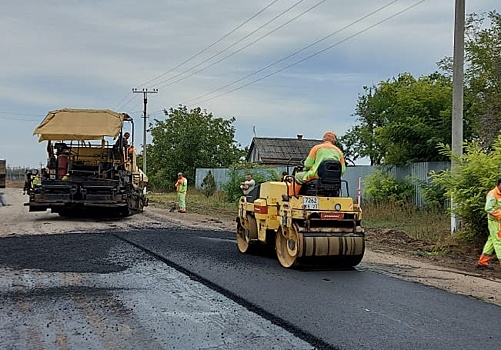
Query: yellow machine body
[{"x": 300, "y": 227}]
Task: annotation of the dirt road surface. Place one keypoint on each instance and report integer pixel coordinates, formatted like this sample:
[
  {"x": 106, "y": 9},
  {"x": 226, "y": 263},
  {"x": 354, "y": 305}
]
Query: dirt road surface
[{"x": 15, "y": 220}]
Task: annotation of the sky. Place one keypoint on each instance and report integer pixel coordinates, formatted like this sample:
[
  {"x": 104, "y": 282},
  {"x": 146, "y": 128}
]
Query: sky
[{"x": 279, "y": 67}]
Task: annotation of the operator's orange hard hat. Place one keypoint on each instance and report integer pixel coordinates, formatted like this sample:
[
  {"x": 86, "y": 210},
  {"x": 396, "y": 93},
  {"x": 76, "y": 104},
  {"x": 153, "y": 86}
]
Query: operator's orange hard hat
[{"x": 329, "y": 136}]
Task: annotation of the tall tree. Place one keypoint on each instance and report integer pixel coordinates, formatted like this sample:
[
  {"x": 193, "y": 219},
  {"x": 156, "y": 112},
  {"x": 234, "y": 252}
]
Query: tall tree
[
  {"x": 363, "y": 140},
  {"x": 483, "y": 74},
  {"x": 402, "y": 120},
  {"x": 190, "y": 139}
]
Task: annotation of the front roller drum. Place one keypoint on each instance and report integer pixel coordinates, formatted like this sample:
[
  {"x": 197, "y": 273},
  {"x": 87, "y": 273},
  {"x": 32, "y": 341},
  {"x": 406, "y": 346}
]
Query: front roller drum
[
  {"x": 293, "y": 247},
  {"x": 334, "y": 251},
  {"x": 246, "y": 238}
]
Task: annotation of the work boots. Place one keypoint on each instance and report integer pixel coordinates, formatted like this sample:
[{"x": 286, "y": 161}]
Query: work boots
[{"x": 483, "y": 262}]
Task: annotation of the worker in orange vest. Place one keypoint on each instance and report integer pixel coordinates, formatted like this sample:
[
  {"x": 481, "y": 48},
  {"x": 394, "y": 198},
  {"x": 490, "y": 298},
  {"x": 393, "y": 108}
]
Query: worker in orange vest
[
  {"x": 493, "y": 244},
  {"x": 323, "y": 151}
]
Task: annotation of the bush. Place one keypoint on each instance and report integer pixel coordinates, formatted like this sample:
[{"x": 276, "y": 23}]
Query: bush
[
  {"x": 472, "y": 178},
  {"x": 381, "y": 187},
  {"x": 433, "y": 194},
  {"x": 208, "y": 185}
]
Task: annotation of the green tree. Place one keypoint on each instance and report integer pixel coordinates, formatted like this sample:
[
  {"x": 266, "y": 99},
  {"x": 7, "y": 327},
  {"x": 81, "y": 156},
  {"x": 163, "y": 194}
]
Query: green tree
[
  {"x": 402, "y": 120},
  {"x": 483, "y": 74},
  {"x": 189, "y": 139},
  {"x": 482, "y": 91},
  {"x": 363, "y": 140}
]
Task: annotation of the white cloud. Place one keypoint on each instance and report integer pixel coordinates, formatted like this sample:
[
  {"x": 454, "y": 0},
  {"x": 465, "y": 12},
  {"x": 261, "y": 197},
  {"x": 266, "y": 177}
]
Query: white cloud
[{"x": 90, "y": 54}]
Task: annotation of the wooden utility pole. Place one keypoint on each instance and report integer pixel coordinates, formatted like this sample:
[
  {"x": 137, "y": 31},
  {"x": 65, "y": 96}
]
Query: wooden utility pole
[
  {"x": 145, "y": 93},
  {"x": 457, "y": 92}
]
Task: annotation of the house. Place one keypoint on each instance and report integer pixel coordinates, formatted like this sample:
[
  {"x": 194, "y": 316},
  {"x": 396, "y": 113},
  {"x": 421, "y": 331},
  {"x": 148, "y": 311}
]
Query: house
[{"x": 279, "y": 151}]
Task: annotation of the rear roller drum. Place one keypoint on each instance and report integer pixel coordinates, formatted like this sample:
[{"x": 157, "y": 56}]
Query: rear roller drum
[{"x": 288, "y": 245}]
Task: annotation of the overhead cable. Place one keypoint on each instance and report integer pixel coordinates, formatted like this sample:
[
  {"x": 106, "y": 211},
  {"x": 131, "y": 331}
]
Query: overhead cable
[
  {"x": 211, "y": 45},
  {"x": 130, "y": 95},
  {"x": 246, "y": 46},
  {"x": 162, "y": 83},
  {"x": 295, "y": 52},
  {"x": 314, "y": 54}
]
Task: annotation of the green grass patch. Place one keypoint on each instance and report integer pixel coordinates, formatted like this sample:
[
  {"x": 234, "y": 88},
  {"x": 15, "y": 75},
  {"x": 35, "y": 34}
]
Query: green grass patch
[
  {"x": 424, "y": 224},
  {"x": 215, "y": 206}
]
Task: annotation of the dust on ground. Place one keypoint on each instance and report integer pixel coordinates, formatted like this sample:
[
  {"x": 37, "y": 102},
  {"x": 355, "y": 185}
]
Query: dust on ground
[{"x": 388, "y": 252}]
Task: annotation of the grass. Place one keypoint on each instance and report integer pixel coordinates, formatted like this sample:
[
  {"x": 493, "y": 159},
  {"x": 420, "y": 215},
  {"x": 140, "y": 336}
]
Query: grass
[
  {"x": 196, "y": 202},
  {"x": 424, "y": 224}
]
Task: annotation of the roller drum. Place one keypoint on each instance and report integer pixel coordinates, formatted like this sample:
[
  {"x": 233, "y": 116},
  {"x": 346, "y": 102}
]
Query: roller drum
[{"x": 313, "y": 246}]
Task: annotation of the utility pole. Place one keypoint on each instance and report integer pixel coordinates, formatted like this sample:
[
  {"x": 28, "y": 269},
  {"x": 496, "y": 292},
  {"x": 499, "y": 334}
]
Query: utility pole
[
  {"x": 457, "y": 92},
  {"x": 145, "y": 93}
]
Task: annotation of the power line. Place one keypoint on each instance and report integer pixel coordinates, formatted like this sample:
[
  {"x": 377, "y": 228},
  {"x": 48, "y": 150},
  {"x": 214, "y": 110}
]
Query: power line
[
  {"x": 128, "y": 95},
  {"x": 314, "y": 54},
  {"x": 246, "y": 46},
  {"x": 20, "y": 114},
  {"x": 213, "y": 44},
  {"x": 295, "y": 52},
  {"x": 160, "y": 84},
  {"x": 19, "y": 119},
  {"x": 119, "y": 104}
]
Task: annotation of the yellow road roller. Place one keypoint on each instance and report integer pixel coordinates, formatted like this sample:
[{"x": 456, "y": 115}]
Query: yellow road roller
[{"x": 320, "y": 224}]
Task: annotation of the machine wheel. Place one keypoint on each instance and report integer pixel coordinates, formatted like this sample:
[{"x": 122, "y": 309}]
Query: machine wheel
[
  {"x": 288, "y": 244},
  {"x": 245, "y": 237}
]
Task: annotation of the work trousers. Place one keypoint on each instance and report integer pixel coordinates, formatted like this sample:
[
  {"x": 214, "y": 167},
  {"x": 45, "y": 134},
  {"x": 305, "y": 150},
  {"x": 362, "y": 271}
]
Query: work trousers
[
  {"x": 181, "y": 200},
  {"x": 493, "y": 244}
]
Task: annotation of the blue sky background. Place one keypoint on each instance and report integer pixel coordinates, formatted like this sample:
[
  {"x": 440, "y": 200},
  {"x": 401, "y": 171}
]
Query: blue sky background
[{"x": 90, "y": 54}]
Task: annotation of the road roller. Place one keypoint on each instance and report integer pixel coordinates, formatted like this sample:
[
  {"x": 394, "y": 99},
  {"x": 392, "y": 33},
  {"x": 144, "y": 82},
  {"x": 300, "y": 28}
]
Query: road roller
[{"x": 317, "y": 224}]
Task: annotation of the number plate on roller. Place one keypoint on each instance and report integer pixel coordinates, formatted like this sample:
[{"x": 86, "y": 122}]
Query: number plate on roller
[{"x": 310, "y": 203}]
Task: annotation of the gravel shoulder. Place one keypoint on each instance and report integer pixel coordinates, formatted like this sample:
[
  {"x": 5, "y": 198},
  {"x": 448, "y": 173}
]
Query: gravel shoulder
[{"x": 455, "y": 276}]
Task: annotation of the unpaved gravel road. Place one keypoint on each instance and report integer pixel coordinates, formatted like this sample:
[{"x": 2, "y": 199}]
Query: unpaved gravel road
[{"x": 15, "y": 220}]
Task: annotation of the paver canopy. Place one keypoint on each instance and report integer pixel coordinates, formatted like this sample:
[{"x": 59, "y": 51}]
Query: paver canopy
[{"x": 80, "y": 124}]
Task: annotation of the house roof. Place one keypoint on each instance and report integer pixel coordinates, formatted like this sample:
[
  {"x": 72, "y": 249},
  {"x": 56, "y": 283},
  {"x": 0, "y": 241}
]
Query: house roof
[{"x": 280, "y": 150}]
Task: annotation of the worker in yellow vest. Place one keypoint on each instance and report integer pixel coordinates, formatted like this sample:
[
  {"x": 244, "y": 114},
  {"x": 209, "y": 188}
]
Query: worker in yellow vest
[{"x": 181, "y": 188}]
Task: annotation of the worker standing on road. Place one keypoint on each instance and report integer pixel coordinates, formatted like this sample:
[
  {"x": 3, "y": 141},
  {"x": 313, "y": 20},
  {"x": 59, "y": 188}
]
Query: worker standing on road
[
  {"x": 323, "y": 151},
  {"x": 493, "y": 244},
  {"x": 181, "y": 187}
]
